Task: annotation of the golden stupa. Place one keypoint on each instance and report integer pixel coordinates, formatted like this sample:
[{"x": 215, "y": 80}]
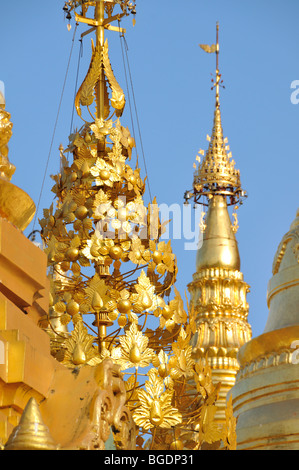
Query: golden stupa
[{"x": 218, "y": 291}]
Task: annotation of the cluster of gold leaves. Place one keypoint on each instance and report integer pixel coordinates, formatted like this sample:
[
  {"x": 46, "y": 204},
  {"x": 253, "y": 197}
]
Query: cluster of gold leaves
[
  {"x": 109, "y": 265},
  {"x": 176, "y": 410}
]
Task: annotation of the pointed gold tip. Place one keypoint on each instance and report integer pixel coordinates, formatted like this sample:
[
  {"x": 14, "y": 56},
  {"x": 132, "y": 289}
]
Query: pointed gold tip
[{"x": 31, "y": 433}]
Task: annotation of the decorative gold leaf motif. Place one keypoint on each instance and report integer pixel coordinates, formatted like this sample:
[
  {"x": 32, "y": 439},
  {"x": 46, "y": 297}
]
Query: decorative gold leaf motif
[
  {"x": 134, "y": 350},
  {"x": 80, "y": 349},
  {"x": 156, "y": 406},
  {"x": 118, "y": 98},
  {"x": 209, "y": 430},
  {"x": 85, "y": 95}
]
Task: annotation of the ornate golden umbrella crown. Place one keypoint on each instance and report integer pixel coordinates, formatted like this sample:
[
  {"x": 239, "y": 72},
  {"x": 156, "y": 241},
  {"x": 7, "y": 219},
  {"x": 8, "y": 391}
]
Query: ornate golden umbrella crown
[{"x": 216, "y": 173}]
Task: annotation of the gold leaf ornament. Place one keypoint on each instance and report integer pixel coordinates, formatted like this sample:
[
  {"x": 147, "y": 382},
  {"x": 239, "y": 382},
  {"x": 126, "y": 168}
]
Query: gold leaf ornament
[
  {"x": 134, "y": 350},
  {"x": 156, "y": 409},
  {"x": 85, "y": 95},
  {"x": 209, "y": 431},
  {"x": 118, "y": 100},
  {"x": 96, "y": 294},
  {"x": 80, "y": 349}
]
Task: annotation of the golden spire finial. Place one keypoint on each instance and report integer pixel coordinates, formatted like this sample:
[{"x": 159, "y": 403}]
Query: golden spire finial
[
  {"x": 218, "y": 75},
  {"x": 218, "y": 293},
  {"x": 216, "y": 173},
  {"x": 214, "y": 48}
]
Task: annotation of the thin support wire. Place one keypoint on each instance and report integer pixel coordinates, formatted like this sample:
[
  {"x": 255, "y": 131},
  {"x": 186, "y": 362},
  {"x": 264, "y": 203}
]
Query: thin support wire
[
  {"x": 55, "y": 126},
  {"x": 128, "y": 90},
  {"x": 77, "y": 78},
  {"x": 135, "y": 107}
]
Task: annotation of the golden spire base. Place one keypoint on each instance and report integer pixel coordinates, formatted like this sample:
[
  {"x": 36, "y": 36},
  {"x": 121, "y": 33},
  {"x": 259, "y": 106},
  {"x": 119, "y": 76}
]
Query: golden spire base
[{"x": 218, "y": 291}]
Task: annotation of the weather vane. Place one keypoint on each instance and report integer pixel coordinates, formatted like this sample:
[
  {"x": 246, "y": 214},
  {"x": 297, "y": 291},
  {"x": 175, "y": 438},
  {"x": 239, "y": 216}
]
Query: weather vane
[{"x": 214, "y": 48}]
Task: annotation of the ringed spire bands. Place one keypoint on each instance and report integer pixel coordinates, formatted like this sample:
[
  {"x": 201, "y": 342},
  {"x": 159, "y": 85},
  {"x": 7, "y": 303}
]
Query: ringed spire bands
[{"x": 218, "y": 291}]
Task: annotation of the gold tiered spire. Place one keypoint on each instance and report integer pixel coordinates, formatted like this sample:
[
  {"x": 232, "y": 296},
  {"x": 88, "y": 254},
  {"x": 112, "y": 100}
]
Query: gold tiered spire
[{"x": 218, "y": 292}]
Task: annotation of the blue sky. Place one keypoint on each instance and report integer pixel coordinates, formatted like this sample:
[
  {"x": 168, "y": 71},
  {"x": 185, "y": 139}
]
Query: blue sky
[{"x": 259, "y": 43}]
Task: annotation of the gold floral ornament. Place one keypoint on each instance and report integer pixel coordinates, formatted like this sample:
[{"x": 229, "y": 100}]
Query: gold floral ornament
[
  {"x": 80, "y": 349},
  {"x": 184, "y": 365},
  {"x": 96, "y": 296},
  {"x": 156, "y": 408},
  {"x": 173, "y": 313},
  {"x": 104, "y": 173},
  {"x": 163, "y": 257},
  {"x": 163, "y": 365},
  {"x": 139, "y": 254},
  {"x": 208, "y": 430},
  {"x": 145, "y": 299},
  {"x": 7, "y": 169},
  {"x": 134, "y": 349},
  {"x": 204, "y": 383},
  {"x": 122, "y": 304},
  {"x": 98, "y": 248}
]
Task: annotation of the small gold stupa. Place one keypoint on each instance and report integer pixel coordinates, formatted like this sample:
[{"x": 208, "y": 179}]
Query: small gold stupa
[{"x": 31, "y": 433}]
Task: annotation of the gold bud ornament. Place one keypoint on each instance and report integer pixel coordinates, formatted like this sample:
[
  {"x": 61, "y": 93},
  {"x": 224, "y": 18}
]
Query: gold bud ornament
[{"x": 97, "y": 302}]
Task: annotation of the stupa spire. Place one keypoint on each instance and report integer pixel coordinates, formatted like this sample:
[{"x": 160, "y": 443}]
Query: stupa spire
[{"x": 218, "y": 291}]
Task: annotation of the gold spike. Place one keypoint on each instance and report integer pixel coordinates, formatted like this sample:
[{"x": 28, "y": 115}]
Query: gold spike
[{"x": 31, "y": 433}]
